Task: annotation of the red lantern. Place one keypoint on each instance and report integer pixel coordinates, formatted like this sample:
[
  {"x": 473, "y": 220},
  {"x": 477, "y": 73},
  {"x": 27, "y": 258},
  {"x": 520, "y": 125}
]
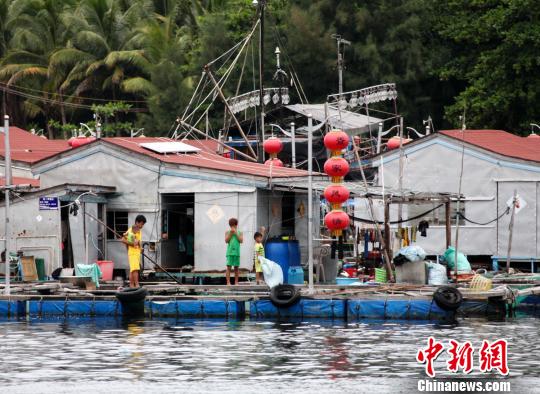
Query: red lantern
[
  {"x": 274, "y": 162},
  {"x": 393, "y": 143},
  {"x": 273, "y": 145},
  {"x": 79, "y": 141},
  {"x": 336, "y": 167},
  {"x": 336, "y": 220},
  {"x": 336, "y": 194},
  {"x": 336, "y": 140}
]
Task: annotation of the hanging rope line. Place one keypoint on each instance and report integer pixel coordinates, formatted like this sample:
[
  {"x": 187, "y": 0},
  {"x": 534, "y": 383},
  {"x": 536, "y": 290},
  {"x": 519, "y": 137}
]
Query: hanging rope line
[
  {"x": 355, "y": 219},
  {"x": 506, "y": 212},
  {"x": 362, "y": 220}
]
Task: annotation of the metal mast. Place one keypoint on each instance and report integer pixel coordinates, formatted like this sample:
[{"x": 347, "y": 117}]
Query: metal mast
[
  {"x": 261, "y": 5},
  {"x": 340, "y": 41},
  {"x": 8, "y": 181}
]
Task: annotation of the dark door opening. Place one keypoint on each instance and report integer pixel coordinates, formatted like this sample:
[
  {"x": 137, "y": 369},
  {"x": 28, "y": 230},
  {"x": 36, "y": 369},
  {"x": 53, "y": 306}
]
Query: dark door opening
[
  {"x": 67, "y": 247},
  {"x": 178, "y": 230}
]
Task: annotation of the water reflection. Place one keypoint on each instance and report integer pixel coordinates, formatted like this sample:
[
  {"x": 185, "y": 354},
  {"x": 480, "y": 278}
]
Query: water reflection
[{"x": 306, "y": 354}]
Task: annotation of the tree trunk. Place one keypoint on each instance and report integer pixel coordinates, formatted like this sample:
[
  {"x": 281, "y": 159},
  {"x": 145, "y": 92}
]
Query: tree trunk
[
  {"x": 50, "y": 131},
  {"x": 118, "y": 133},
  {"x": 63, "y": 115},
  {"x": 4, "y": 100}
]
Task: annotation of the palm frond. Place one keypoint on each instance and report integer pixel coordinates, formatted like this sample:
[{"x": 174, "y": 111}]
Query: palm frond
[
  {"x": 91, "y": 42},
  {"x": 138, "y": 86},
  {"x": 29, "y": 72},
  {"x": 31, "y": 109},
  {"x": 135, "y": 58},
  {"x": 23, "y": 57}
]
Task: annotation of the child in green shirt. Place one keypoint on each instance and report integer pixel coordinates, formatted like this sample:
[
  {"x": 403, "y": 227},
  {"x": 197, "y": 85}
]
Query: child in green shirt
[{"x": 233, "y": 239}]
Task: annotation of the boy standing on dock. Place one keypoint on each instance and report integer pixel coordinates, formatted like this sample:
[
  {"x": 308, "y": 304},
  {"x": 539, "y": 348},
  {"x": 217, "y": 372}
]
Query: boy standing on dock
[
  {"x": 233, "y": 239},
  {"x": 258, "y": 251},
  {"x": 132, "y": 239}
]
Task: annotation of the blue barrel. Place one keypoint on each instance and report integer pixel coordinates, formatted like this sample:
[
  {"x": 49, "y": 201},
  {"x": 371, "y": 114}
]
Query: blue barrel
[
  {"x": 285, "y": 253},
  {"x": 277, "y": 250},
  {"x": 294, "y": 253}
]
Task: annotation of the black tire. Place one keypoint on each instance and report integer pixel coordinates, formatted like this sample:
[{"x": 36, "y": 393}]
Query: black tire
[
  {"x": 448, "y": 298},
  {"x": 131, "y": 294},
  {"x": 284, "y": 296}
]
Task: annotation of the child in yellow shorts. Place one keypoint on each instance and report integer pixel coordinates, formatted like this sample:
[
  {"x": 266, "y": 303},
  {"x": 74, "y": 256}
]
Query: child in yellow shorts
[
  {"x": 258, "y": 251},
  {"x": 132, "y": 239}
]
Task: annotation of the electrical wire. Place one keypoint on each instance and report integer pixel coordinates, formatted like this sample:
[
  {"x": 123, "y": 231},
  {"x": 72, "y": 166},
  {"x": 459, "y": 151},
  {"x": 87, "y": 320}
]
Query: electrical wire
[
  {"x": 16, "y": 87},
  {"x": 58, "y": 102}
]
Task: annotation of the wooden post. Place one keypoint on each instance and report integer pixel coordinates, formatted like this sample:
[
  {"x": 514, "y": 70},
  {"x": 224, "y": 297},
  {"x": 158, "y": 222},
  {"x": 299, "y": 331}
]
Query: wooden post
[
  {"x": 448, "y": 224},
  {"x": 511, "y": 229},
  {"x": 220, "y": 93},
  {"x": 387, "y": 230}
]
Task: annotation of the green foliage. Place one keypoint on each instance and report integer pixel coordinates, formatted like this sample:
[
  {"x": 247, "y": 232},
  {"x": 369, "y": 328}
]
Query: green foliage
[
  {"x": 147, "y": 55},
  {"x": 68, "y": 129},
  {"x": 495, "y": 47},
  {"x": 111, "y": 109}
]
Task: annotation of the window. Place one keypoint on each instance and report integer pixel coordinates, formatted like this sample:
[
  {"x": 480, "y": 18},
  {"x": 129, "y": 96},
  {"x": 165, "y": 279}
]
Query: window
[
  {"x": 438, "y": 216},
  {"x": 117, "y": 220}
]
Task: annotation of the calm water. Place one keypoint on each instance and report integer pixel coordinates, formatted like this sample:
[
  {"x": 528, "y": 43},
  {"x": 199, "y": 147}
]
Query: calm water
[{"x": 215, "y": 356}]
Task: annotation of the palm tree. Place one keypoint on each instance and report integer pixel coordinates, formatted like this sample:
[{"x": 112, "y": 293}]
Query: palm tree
[
  {"x": 98, "y": 49},
  {"x": 4, "y": 39},
  {"x": 167, "y": 45},
  {"x": 37, "y": 33}
]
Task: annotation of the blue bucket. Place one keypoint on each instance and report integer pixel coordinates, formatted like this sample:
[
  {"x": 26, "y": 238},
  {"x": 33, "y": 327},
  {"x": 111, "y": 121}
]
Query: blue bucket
[{"x": 296, "y": 276}]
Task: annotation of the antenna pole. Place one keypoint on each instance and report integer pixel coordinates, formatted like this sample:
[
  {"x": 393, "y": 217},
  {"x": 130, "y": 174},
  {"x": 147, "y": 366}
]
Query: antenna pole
[
  {"x": 260, "y": 151},
  {"x": 8, "y": 180},
  {"x": 340, "y": 41}
]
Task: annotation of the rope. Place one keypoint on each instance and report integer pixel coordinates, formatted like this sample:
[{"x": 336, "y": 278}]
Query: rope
[
  {"x": 355, "y": 219},
  {"x": 226, "y": 75},
  {"x": 483, "y": 224}
]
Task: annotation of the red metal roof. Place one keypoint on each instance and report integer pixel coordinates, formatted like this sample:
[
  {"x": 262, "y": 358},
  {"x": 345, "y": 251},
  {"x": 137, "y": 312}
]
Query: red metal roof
[
  {"x": 20, "y": 181},
  {"x": 206, "y": 158},
  {"x": 501, "y": 142},
  {"x": 29, "y": 148}
]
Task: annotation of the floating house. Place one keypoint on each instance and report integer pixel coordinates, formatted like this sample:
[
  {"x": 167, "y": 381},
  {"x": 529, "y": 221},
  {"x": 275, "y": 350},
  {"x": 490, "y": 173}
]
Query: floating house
[
  {"x": 495, "y": 164},
  {"x": 185, "y": 190}
]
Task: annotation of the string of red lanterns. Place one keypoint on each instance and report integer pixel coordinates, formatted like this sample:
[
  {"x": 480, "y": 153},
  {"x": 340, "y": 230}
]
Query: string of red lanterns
[{"x": 336, "y": 194}]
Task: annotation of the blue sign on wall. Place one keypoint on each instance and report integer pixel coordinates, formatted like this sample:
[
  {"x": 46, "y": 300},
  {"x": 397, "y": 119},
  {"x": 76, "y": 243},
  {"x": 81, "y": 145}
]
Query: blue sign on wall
[{"x": 48, "y": 203}]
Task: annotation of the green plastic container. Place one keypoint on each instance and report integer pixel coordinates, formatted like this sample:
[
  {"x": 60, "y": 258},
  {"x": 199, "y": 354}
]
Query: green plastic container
[
  {"x": 380, "y": 275},
  {"x": 40, "y": 268}
]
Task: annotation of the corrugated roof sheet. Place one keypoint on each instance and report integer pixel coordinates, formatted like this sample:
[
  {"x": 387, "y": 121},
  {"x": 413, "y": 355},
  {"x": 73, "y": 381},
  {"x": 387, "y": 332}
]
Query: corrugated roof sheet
[
  {"x": 206, "y": 158},
  {"x": 29, "y": 148},
  {"x": 345, "y": 120},
  {"x": 20, "y": 181},
  {"x": 501, "y": 142}
]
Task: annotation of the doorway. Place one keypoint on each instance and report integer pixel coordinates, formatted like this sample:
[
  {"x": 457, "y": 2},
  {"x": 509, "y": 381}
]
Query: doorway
[
  {"x": 66, "y": 244},
  {"x": 177, "y": 231}
]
